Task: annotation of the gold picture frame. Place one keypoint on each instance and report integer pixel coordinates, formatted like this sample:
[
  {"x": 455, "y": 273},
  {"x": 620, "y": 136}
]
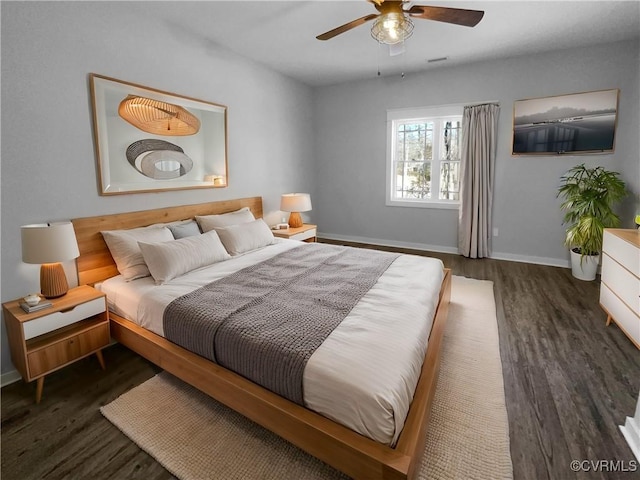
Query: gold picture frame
[{"x": 148, "y": 140}]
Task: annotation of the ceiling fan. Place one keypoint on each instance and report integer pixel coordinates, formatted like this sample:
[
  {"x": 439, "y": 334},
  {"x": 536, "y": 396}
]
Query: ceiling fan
[{"x": 393, "y": 24}]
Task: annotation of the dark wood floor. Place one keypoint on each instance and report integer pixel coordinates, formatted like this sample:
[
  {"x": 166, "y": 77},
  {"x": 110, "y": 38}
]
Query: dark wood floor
[{"x": 569, "y": 382}]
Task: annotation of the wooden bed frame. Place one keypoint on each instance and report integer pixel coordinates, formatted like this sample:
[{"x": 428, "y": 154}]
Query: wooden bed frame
[{"x": 340, "y": 447}]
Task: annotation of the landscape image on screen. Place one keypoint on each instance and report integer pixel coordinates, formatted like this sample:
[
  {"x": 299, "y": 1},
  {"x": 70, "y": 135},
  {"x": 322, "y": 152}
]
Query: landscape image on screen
[{"x": 577, "y": 123}]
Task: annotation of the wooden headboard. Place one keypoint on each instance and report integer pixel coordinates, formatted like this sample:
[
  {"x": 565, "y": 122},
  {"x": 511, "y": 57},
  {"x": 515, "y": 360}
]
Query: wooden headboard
[{"x": 95, "y": 262}]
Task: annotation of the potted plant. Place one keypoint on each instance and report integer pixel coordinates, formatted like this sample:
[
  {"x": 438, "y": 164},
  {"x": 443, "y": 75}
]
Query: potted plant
[{"x": 588, "y": 196}]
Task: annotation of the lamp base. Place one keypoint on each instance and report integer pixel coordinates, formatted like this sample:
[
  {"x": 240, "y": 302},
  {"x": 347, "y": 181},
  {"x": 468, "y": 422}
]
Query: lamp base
[
  {"x": 295, "y": 220},
  {"x": 53, "y": 280}
]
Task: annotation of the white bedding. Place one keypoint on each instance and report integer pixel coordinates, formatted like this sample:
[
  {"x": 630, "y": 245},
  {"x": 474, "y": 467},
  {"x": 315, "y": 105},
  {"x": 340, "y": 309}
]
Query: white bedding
[{"x": 364, "y": 374}]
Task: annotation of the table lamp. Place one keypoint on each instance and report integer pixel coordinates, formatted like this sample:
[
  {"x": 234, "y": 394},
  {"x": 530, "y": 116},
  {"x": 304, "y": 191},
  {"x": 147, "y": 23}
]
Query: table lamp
[
  {"x": 48, "y": 245},
  {"x": 295, "y": 203}
]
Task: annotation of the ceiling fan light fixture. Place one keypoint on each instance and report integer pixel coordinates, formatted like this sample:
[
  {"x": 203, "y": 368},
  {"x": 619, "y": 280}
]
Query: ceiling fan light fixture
[{"x": 391, "y": 28}]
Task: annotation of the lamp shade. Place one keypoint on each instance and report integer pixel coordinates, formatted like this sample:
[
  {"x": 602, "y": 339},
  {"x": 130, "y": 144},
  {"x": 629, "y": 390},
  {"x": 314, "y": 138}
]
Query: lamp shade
[
  {"x": 295, "y": 202},
  {"x": 49, "y": 243}
]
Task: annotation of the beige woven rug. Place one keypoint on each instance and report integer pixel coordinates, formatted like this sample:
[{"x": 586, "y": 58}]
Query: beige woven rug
[{"x": 197, "y": 438}]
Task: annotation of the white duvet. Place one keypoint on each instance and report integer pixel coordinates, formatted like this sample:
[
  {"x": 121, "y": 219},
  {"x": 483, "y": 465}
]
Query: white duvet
[{"x": 364, "y": 374}]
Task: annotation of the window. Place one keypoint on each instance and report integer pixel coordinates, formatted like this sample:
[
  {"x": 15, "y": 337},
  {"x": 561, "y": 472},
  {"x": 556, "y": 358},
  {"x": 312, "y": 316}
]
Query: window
[{"x": 423, "y": 157}]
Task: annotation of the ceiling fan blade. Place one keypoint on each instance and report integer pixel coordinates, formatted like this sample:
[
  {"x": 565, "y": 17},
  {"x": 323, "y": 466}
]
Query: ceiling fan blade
[
  {"x": 346, "y": 27},
  {"x": 459, "y": 16}
]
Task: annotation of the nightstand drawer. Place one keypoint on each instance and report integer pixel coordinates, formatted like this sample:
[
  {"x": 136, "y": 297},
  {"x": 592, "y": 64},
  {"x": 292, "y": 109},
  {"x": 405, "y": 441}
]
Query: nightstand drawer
[
  {"x": 304, "y": 235},
  {"x": 53, "y": 321},
  {"x": 66, "y": 350}
]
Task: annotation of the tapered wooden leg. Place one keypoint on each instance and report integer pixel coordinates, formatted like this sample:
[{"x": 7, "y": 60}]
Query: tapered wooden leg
[
  {"x": 101, "y": 359},
  {"x": 608, "y": 320},
  {"x": 39, "y": 387}
]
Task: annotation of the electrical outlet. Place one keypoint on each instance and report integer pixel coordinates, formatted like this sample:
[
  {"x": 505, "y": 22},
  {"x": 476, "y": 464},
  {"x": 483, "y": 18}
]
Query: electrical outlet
[{"x": 495, "y": 231}]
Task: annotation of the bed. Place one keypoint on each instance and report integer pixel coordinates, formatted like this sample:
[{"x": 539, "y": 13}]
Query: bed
[{"x": 359, "y": 455}]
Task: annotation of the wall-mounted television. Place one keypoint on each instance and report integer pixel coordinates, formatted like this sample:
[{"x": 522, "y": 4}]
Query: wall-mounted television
[{"x": 565, "y": 124}]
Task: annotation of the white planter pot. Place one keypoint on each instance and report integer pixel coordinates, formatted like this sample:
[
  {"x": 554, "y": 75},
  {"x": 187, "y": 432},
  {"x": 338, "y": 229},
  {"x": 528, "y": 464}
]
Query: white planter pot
[{"x": 585, "y": 269}]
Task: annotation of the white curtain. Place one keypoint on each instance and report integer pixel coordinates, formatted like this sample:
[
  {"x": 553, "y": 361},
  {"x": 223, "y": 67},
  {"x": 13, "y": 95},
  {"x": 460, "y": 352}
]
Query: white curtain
[{"x": 477, "y": 160}]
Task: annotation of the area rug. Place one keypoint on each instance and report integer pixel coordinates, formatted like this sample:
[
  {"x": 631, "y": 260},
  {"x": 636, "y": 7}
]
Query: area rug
[{"x": 196, "y": 438}]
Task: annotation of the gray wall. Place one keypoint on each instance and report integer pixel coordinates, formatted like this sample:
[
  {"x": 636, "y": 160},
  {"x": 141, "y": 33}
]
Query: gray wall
[
  {"x": 48, "y": 161},
  {"x": 350, "y": 158},
  {"x": 49, "y": 168}
]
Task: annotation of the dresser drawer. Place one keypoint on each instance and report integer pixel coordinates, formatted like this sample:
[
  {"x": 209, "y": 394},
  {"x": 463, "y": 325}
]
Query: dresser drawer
[
  {"x": 628, "y": 321},
  {"x": 66, "y": 350},
  {"x": 620, "y": 280},
  {"x": 622, "y": 251},
  {"x": 53, "y": 321}
]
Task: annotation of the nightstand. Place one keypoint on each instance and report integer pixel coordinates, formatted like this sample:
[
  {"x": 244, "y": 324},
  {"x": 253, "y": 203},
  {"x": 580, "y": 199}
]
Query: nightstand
[
  {"x": 305, "y": 233},
  {"x": 76, "y": 326}
]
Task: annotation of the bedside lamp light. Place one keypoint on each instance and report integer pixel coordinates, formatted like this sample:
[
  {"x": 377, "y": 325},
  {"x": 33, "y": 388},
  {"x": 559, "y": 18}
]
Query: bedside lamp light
[
  {"x": 295, "y": 203},
  {"x": 48, "y": 245}
]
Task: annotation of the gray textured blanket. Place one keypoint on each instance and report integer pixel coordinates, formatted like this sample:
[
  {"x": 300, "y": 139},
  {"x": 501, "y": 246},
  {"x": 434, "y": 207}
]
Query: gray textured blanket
[{"x": 265, "y": 321}]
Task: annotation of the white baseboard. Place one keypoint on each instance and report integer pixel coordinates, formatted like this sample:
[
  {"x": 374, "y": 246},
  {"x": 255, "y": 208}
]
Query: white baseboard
[
  {"x": 553, "y": 262},
  {"x": 631, "y": 432},
  {"x": 389, "y": 243},
  {"x": 9, "y": 378}
]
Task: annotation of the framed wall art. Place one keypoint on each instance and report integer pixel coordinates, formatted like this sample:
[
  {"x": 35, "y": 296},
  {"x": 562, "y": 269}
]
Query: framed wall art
[
  {"x": 149, "y": 140},
  {"x": 566, "y": 124}
]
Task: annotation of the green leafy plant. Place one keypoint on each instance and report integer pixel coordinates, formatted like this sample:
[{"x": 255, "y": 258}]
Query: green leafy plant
[{"x": 589, "y": 195}]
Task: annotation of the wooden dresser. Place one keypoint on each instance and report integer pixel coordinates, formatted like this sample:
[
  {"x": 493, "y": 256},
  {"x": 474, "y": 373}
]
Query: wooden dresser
[{"x": 620, "y": 286}]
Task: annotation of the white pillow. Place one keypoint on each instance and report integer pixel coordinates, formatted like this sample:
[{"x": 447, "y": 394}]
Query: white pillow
[
  {"x": 244, "y": 237},
  {"x": 209, "y": 222},
  {"x": 168, "y": 260},
  {"x": 123, "y": 245}
]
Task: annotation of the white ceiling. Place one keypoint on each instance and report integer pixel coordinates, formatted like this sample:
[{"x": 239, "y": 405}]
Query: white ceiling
[{"x": 281, "y": 34}]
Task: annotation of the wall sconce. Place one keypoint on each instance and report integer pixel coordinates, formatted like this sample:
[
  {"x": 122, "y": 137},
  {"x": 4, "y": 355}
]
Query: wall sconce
[
  {"x": 161, "y": 118},
  {"x": 48, "y": 245},
  {"x": 295, "y": 203}
]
